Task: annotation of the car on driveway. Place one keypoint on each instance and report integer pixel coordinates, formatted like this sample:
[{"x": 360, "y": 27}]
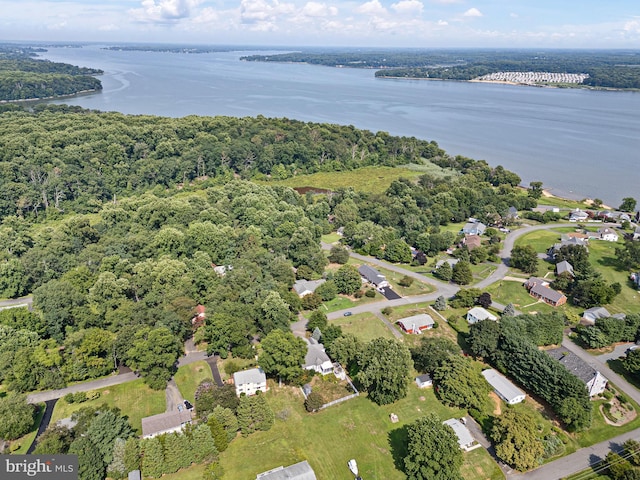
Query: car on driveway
[{"x": 347, "y": 314}]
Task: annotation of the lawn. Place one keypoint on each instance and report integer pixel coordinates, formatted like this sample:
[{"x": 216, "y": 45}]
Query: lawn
[
  {"x": 20, "y": 445},
  {"x": 365, "y": 326},
  {"x": 135, "y": 399},
  {"x": 443, "y": 329},
  {"x": 342, "y": 302},
  {"x": 416, "y": 288},
  {"x": 540, "y": 240},
  {"x": 354, "y": 429},
  {"x": 479, "y": 464},
  {"x": 188, "y": 377},
  {"x": 331, "y": 238}
]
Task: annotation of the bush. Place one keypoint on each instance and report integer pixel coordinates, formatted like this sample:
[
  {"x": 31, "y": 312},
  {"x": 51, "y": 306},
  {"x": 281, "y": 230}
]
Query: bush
[
  {"x": 358, "y": 294},
  {"x": 313, "y": 402},
  {"x": 231, "y": 367},
  {"x": 406, "y": 281},
  {"x": 79, "y": 397},
  {"x": 370, "y": 293},
  {"x": 387, "y": 311},
  {"x": 69, "y": 398}
]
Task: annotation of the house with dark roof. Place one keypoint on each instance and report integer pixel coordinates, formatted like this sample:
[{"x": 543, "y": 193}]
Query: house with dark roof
[
  {"x": 593, "y": 379},
  {"x": 167, "y": 422},
  {"x": 474, "y": 228},
  {"x": 538, "y": 288},
  {"x": 373, "y": 276},
  {"x": 592, "y": 314},
  {"x": 424, "y": 381},
  {"x": 564, "y": 267},
  {"x": 472, "y": 241},
  {"x": 416, "y": 323},
  {"x": 297, "y": 471}
]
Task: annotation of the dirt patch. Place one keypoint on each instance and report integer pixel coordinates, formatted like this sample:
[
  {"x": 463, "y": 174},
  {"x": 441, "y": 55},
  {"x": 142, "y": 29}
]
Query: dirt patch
[
  {"x": 617, "y": 414},
  {"x": 497, "y": 403}
]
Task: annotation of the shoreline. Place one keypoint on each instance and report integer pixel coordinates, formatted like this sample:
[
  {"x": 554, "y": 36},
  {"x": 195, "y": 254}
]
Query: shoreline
[{"x": 546, "y": 193}]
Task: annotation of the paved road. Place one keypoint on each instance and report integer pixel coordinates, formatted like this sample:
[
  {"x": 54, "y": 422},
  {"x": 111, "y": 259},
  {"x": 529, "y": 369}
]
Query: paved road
[
  {"x": 617, "y": 352},
  {"x": 46, "y": 419},
  {"x": 173, "y": 396},
  {"x": 17, "y": 302}
]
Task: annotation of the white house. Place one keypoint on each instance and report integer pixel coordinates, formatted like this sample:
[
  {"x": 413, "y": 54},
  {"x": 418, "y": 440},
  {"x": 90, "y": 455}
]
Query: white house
[
  {"x": 506, "y": 390},
  {"x": 250, "y": 381},
  {"x": 373, "y": 276},
  {"x": 578, "y": 215},
  {"x": 608, "y": 234},
  {"x": 474, "y": 228},
  {"x": 593, "y": 379},
  {"x": 477, "y": 314},
  {"x": 416, "y": 323},
  {"x": 307, "y": 287},
  {"x": 297, "y": 471},
  {"x": 465, "y": 439},
  {"x": 317, "y": 359},
  {"x": 424, "y": 381},
  {"x": 167, "y": 422}
]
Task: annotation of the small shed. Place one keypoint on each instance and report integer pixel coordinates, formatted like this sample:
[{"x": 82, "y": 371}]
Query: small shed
[{"x": 424, "y": 381}]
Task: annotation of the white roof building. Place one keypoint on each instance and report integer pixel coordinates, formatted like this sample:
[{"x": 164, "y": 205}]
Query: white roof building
[
  {"x": 465, "y": 439},
  {"x": 477, "y": 314},
  {"x": 417, "y": 323},
  {"x": 297, "y": 471},
  {"x": 503, "y": 387},
  {"x": 250, "y": 381},
  {"x": 165, "y": 423},
  {"x": 307, "y": 287}
]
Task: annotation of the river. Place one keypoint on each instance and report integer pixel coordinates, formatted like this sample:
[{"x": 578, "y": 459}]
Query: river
[{"x": 579, "y": 143}]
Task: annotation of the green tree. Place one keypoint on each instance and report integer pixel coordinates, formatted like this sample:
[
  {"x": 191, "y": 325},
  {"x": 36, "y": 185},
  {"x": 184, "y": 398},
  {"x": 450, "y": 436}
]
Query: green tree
[
  {"x": 116, "y": 468},
  {"x": 254, "y": 413},
  {"x": 204, "y": 444},
  {"x": 327, "y": 291},
  {"x": 397, "y": 251},
  {"x": 444, "y": 272},
  {"x": 313, "y": 402},
  {"x": 338, "y": 254},
  {"x": 461, "y": 273},
  {"x": 460, "y": 383},
  {"x": 55, "y": 439},
  {"x": 432, "y": 450},
  {"x": 516, "y": 442},
  {"x": 282, "y": 355},
  {"x": 509, "y": 310},
  {"x": 483, "y": 339},
  {"x": 154, "y": 354},
  {"x": 441, "y": 304},
  {"x": 628, "y": 204},
  {"x": 535, "y": 190},
  {"x": 218, "y": 433},
  {"x": 433, "y": 352},
  {"x": 17, "y": 416},
  {"x": 152, "y": 457},
  {"x": 346, "y": 350},
  {"x": 228, "y": 419},
  {"x": 104, "y": 429},
  {"x": 208, "y": 396},
  {"x": 90, "y": 460},
  {"x": 178, "y": 452},
  {"x": 384, "y": 370},
  {"x": 317, "y": 319},
  {"x": 347, "y": 279},
  {"x": 132, "y": 454},
  {"x": 275, "y": 313},
  {"x": 525, "y": 258},
  {"x": 213, "y": 471}
]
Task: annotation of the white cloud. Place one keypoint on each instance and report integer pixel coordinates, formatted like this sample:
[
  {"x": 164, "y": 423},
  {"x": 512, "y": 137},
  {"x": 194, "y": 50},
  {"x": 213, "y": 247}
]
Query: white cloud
[
  {"x": 446, "y": 2},
  {"x": 255, "y": 11},
  {"x": 442, "y": 23},
  {"x": 164, "y": 11},
  {"x": 373, "y": 7},
  {"x": 472, "y": 12},
  {"x": 316, "y": 9},
  {"x": 408, "y": 7},
  {"x": 632, "y": 26}
]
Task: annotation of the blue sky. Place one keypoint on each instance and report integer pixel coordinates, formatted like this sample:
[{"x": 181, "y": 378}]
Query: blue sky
[{"x": 373, "y": 23}]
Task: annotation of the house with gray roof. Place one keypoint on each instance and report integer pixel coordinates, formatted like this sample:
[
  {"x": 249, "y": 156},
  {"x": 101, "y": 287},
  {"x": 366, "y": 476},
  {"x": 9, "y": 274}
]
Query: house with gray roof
[
  {"x": 373, "y": 276},
  {"x": 564, "y": 267},
  {"x": 578, "y": 215},
  {"x": 608, "y": 234},
  {"x": 250, "y": 381},
  {"x": 593, "y": 379},
  {"x": 416, "y": 323},
  {"x": 478, "y": 314},
  {"x": 474, "y": 228},
  {"x": 307, "y": 287},
  {"x": 297, "y": 471},
  {"x": 317, "y": 359},
  {"x": 506, "y": 390},
  {"x": 465, "y": 440},
  {"x": 424, "y": 381},
  {"x": 167, "y": 422},
  {"x": 538, "y": 288},
  {"x": 594, "y": 313}
]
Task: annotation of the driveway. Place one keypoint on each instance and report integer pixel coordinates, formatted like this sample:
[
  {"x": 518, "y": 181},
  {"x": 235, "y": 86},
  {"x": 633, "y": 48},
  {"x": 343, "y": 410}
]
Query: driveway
[
  {"x": 618, "y": 351},
  {"x": 173, "y": 396},
  {"x": 389, "y": 294}
]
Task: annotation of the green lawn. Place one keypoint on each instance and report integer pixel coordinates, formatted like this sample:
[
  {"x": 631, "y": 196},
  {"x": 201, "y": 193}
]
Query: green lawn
[
  {"x": 365, "y": 326},
  {"x": 135, "y": 399},
  {"x": 541, "y": 240},
  {"x": 20, "y": 445},
  {"x": 331, "y": 238},
  {"x": 342, "y": 303},
  {"x": 188, "y": 377},
  {"x": 479, "y": 464}
]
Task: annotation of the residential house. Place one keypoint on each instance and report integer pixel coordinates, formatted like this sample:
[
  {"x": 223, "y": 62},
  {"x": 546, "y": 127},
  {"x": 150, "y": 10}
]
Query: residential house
[
  {"x": 512, "y": 214},
  {"x": 578, "y": 215},
  {"x": 416, "y": 323},
  {"x": 472, "y": 241},
  {"x": 307, "y": 287},
  {"x": 506, "y": 390},
  {"x": 564, "y": 267},
  {"x": 478, "y": 314},
  {"x": 465, "y": 439},
  {"x": 584, "y": 236},
  {"x": 222, "y": 269},
  {"x": 199, "y": 318},
  {"x": 594, "y": 380},
  {"x": 317, "y": 359},
  {"x": 297, "y": 471},
  {"x": 608, "y": 235},
  {"x": 134, "y": 475},
  {"x": 450, "y": 261},
  {"x": 474, "y": 228},
  {"x": 538, "y": 288},
  {"x": 167, "y": 422},
  {"x": 575, "y": 241},
  {"x": 373, "y": 276},
  {"x": 424, "y": 381},
  {"x": 250, "y": 381},
  {"x": 593, "y": 314}
]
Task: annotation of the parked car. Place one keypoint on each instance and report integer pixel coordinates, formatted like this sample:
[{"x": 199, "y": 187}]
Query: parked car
[
  {"x": 347, "y": 314},
  {"x": 188, "y": 405}
]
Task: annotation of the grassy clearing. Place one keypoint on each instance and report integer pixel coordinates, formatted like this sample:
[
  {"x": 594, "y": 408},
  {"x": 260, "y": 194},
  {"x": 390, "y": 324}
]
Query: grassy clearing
[
  {"x": 188, "y": 377},
  {"x": 562, "y": 202},
  {"x": 342, "y": 302},
  {"x": 443, "y": 329},
  {"x": 331, "y": 238},
  {"x": 479, "y": 464},
  {"x": 365, "y": 326},
  {"x": 541, "y": 240},
  {"x": 368, "y": 179},
  {"x": 135, "y": 399},
  {"x": 20, "y": 445}
]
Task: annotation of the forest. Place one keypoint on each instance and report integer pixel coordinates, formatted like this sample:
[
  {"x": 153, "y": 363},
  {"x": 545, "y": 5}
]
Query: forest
[
  {"x": 23, "y": 77},
  {"x": 611, "y": 69}
]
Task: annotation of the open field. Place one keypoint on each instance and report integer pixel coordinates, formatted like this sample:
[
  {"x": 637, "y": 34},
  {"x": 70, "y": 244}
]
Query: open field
[
  {"x": 365, "y": 326},
  {"x": 188, "y": 377},
  {"x": 368, "y": 179},
  {"x": 135, "y": 399}
]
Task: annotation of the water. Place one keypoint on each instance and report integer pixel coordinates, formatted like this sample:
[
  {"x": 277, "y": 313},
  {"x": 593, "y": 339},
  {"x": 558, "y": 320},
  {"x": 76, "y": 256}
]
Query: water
[{"x": 579, "y": 143}]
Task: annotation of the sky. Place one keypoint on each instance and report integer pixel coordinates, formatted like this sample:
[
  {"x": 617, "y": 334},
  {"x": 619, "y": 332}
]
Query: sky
[{"x": 372, "y": 23}]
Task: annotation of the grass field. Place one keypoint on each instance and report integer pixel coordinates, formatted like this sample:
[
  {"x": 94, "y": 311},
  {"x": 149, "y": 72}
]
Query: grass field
[
  {"x": 188, "y": 377},
  {"x": 330, "y": 238},
  {"x": 365, "y": 326},
  {"x": 135, "y": 399},
  {"x": 368, "y": 179}
]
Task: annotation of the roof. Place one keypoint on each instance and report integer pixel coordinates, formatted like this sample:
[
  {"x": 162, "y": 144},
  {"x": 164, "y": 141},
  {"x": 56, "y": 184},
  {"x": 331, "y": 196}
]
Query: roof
[
  {"x": 573, "y": 363},
  {"x": 450, "y": 261},
  {"x": 426, "y": 378},
  {"x": 606, "y": 231},
  {"x": 564, "y": 266},
  {"x": 254, "y": 375},
  {"x": 371, "y": 274},
  {"x": 464, "y": 435},
  {"x": 302, "y": 286},
  {"x": 536, "y": 281},
  {"x": 315, "y": 355},
  {"x": 474, "y": 227},
  {"x": 420, "y": 320},
  {"x": 472, "y": 241},
  {"x": 164, "y": 421},
  {"x": 501, "y": 384},
  {"x": 297, "y": 471},
  {"x": 595, "y": 313},
  {"x": 546, "y": 292},
  {"x": 482, "y": 314},
  {"x": 134, "y": 475}
]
